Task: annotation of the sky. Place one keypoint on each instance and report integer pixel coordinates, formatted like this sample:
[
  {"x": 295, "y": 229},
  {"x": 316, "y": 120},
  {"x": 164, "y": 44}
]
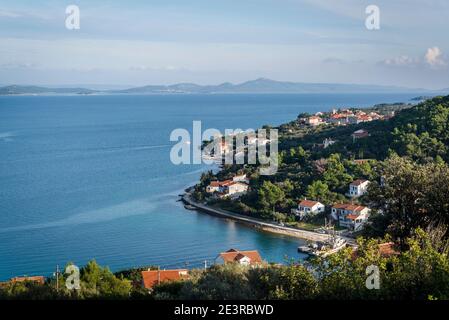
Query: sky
[{"x": 130, "y": 43}]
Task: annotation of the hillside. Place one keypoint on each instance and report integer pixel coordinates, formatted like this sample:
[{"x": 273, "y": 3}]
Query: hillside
[
  {"x": 258, "y": 86},
  {"x": 16, "y": 89},
  {"x": 397, "y": 148}
]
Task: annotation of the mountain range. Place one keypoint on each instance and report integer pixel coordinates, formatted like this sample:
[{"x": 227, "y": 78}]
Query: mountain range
[{"x": 261, "y": 85}]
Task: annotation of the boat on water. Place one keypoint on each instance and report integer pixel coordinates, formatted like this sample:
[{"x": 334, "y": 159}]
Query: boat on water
[
  {"x": 324, "y": 248},
  {"x": 189, "y": 207}
]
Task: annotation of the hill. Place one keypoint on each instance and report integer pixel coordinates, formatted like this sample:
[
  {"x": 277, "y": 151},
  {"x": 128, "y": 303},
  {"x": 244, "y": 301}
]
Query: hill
[
  {"x": 258, "y": 86},
  {"x": 16, "y": 89}
]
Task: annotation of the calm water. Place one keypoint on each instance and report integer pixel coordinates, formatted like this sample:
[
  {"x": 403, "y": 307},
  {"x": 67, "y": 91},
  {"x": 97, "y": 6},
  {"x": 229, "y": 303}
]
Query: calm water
[{"x": 85, "y": 177}]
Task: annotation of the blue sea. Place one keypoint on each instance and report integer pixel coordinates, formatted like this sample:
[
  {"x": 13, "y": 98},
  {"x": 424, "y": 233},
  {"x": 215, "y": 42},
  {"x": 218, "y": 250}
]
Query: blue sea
[{"x": 89, "y": 177}]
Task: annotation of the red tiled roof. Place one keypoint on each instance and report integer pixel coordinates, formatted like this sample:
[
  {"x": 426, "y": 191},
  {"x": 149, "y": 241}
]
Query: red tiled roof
[
  {"x": 349, "y": 207},
  {"x": 153, "y": 277},
  {"x": 351, "y": 216},
  {"x": 308, "y": 203},
  {"x": 388, "y": 249},
  {"x": 358, "y": 182},
  {"x": 221, "y": 183},
  {"x": 38, "y": 279},
  {"x": 234, "y": 255},
  {"x": 385, "y": 249}
]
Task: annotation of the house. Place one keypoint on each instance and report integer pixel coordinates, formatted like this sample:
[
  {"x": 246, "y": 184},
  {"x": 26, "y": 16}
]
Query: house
[
  {"x": 339, "y": 119},
  {"x": 246, "y": 258},
  {"x": 351, "y": 216},
  {"x": 214, "y": 186},
  {"x": 313, "y": 121},
  {"x": 359, "y": 118},
  {"x": 361, "y": 161},
  {"x": 359, "y": 134},
  {"x": 35, "y": 279},
  {"x": 240, "y": 178},
  {"x": 386, "y": 250},
  {"x": 234, "y": 187},
  {"x": 358, "y": 188},
  {"x": 153, "y": 277},
  {"x": 308, "y": 207}
]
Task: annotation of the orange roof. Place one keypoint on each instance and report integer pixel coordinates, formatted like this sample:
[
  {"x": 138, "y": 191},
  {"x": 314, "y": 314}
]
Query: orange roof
[
  {"x": 38, "y": 279},
  {"x": 308, "y": 203},
  {"x": 221, "y": 183},
  {"x": 385, "y": 249},
  {"x": 360, "y": 161},
  {"x": 340, "y": 206},
  {"x": 351, "y": 216},
  {"x": 153, "y": 277},
  {"x": 358, "y": 182},
  {"x": 349, "y": 207},
  {"x": 338, "y": 116},
  {"x": 364, "y": 117},
  {"x": 234, "y": 255},
  {"x": 388, "y": 249}
]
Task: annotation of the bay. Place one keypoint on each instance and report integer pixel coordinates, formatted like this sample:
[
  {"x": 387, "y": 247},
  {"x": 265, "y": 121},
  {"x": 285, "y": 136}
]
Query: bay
[{"x": 85, "y": 177}]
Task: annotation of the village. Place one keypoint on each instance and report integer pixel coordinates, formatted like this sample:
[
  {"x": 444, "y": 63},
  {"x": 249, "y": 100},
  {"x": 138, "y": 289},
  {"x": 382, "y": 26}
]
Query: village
[
  {"x": 347, "y": 215},
  {"x": 342, "y": 117}
]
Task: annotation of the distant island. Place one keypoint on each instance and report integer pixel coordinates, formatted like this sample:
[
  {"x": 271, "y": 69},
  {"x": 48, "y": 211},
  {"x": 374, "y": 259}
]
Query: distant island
[{"x": 258, "y": 86}]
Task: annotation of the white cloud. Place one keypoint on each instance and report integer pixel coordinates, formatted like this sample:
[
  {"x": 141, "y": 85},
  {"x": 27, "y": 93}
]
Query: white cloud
[
  {"x": 434, "y": 57},
  {"x": 400, "y": 61},
  {"x": 9, "y": 14}
]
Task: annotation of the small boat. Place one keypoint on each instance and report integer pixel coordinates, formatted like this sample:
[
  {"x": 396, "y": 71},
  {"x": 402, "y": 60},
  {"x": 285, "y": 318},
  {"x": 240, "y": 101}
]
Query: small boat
[
  {"x": 323, "y": 248},
  {"x": 189, "y": 207}
]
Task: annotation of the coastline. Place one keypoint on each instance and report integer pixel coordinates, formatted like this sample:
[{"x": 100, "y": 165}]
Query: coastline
[{"x": 258, "y": 224}]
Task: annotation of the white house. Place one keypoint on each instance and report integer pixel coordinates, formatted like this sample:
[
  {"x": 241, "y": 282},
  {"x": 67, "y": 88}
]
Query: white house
[
  {"x": 358, "y": 188},
  {"x": 350, "y": 216},
  {"x": 314, "y": 121},
  {"x": 234, "y": 189},
  {"x": 214, "y": 186},
  {"x": 228, "y": 188},
  {"x": 240, "y": 178},
  {"x": 308, "y": 207}
]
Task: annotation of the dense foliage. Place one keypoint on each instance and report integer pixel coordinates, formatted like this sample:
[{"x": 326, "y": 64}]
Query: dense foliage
[{"x": 420, "y": 272}]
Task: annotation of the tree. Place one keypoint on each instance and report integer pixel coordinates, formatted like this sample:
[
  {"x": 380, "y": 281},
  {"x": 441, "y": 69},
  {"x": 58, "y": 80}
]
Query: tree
[
  {"x": 412, "y": 195},
  {"x": 335, "y": 175},
  {"x": 269, "y": 195},
  {"x": 318, "y": 190},
  {"x": 97, "y": 281}
]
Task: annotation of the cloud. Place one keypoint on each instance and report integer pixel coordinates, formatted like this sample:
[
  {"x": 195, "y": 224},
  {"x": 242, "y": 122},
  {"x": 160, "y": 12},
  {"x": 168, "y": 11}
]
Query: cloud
[
  {"x": 334, "y": 61},
  {"x": 9, "y": 14},
  {"x": 434, "y": 57},
  {"x": 400, "y": 61}
]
